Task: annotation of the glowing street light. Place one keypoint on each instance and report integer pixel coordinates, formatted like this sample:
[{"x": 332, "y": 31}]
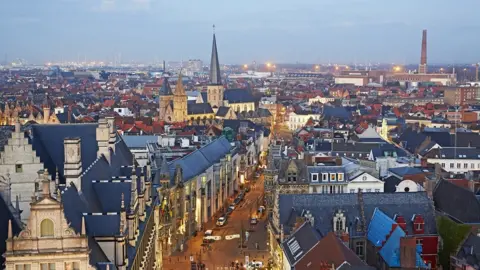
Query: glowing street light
[
  {"x": 336, "y": 68},
  {"x": 245, "y": 66},
  {"x": 397, "y": 68},
  {"x": 317, "y": 67},
  {"x": 269, "y": 65}
]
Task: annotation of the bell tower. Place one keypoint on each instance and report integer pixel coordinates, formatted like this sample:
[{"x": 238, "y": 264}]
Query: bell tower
[
  {"x": 215, "y": 87},
  {"x": 179, "y": 101}
]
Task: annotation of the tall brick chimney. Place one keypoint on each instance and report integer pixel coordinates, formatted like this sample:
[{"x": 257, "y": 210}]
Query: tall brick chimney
[
  {"x": 408, "y": 252},
  {"x": 422, "y": 68}
]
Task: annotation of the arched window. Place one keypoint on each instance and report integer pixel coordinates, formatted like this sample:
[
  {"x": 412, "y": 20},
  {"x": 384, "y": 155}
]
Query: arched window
[
  {"x": 338, "y": 225},
  {"x": 46, "y": 228}
]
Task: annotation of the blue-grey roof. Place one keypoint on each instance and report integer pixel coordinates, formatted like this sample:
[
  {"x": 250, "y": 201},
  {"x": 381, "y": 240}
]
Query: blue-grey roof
[
  {"x": 199, "y": 108},
  {"x": 402, "y": 171},
  {"x": 135, "y": 141},
  {"x": 99, "y": 193},
  {"x": 199, "y": 160},
  {"x": 390, "y": 252},
  {"x": 238, "y": 96},
  {"x": 204, "y": 96},
  {"x": 300, "y": 243},
  {"x": 324, "y": 206}
]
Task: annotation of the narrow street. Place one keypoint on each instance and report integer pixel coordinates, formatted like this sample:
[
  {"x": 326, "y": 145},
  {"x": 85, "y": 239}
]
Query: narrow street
[{"x": 223, "y": 252}]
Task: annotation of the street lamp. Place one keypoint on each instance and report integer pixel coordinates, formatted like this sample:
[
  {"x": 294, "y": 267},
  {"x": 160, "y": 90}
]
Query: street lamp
[
  {"x": 245, "y": 66},
  {"x": 269, "y": 65}
]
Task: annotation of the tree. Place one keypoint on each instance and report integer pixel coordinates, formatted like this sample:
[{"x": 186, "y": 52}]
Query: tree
[{"x": 452, "y": 235}]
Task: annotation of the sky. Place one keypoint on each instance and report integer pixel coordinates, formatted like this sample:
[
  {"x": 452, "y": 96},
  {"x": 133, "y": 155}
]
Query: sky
[{"x": 277, "y": 31}]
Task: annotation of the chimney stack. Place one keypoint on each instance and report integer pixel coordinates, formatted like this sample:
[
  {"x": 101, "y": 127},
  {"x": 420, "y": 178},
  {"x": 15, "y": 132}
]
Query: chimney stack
[
  {"x": 112, "y": 131},
  {"x": 73, "y": 161},
  {"x": 408, "y": 252},
  {"x": 422, "y": 68},
  {"x": 103, "y": 138}
]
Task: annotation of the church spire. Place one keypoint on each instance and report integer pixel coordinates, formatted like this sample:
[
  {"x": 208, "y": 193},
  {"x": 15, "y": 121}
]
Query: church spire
[
  {"x": 179, "y": 89},
  {"x": 215, "y": 78}
]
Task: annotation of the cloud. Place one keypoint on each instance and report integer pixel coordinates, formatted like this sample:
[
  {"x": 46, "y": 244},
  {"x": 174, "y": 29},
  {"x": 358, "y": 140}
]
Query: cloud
[{"x": 123, "y": 5}]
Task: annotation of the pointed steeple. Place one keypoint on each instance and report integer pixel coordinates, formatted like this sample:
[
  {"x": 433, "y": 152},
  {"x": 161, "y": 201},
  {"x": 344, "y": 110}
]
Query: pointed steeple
[
  {"x": 179, "y": 89},
  {"x": 10, "y": 231},
  {"x": 84, "y": 229},
  {"x": 215, "y": 78},
  {"x": 165, "y": 90}
]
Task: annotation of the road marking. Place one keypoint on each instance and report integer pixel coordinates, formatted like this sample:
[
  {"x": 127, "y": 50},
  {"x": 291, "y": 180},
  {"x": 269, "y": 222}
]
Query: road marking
[{"x": 230, "y": 237}]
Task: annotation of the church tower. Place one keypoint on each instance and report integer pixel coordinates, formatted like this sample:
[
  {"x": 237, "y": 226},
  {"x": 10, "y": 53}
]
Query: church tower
[
  {"x": 215, "y": 86},
  {"x": 165, "y": 99},
  {"x": 179, "y": 102}
]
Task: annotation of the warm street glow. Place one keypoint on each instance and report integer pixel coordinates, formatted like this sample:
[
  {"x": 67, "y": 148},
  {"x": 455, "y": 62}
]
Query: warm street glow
[
  {"x": 269, "y": 64},
  {"x": 245, "y": 66}
]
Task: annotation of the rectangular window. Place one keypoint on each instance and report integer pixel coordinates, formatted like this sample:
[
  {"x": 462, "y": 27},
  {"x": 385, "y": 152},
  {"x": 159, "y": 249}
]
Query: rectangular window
[
  {"x": 18, "y": 168},
  {"x": 472, "y": 165},
  {"x": 419, "y": 226},
  {"x": 420, "y": 242},
  {"x": 452, "y": 165},
  {"x": 443, "y": 165},
  {"x": 72, "y": 266},
  {"x": 465, "y": 165},
  {"x": 23, "y": 266},
  {"x": 459, "y": 166},
  {"x": 368, "y": 190},
  {"x": 314, "y": 177},
  {"x": 352, "y": 190},
  {"x": 333, "y": 177},
  {"x": 47, "y": 266},
  {"x": 359, "y": 249},
  {"x": 325, "y": 177},
  {"x": 340, "y": 177},
  {"x": 377, "y": 190}
]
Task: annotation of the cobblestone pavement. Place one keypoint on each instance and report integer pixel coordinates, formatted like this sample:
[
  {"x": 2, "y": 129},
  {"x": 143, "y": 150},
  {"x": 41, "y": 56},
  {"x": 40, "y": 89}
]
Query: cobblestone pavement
[{"x": 222, "y": 253}]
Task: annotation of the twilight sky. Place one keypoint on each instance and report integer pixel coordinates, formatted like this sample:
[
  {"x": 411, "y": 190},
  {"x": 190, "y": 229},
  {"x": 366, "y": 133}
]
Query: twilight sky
[{"x": 280, "y": 31}]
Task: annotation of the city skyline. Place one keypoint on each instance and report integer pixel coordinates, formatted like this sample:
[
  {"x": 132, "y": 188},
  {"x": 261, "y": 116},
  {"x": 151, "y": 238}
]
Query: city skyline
[{"x": 287, "y": 32}]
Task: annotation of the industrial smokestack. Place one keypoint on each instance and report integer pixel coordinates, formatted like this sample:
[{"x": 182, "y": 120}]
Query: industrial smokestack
[
  {"x": 422, "y": 68},
  {"x": 164, "y": 67}
]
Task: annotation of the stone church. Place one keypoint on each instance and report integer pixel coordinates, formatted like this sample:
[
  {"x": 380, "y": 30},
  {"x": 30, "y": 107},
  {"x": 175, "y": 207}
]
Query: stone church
[
  {"x": 217, "y": 102},
  {"x": 74, "y": 197}
]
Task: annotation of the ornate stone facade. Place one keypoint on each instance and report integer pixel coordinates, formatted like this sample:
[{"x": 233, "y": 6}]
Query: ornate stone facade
[{"x": 47, "y": 241}]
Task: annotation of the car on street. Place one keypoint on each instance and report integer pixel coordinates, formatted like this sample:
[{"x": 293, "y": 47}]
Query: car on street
[
  {"x": 207, "y": 238},
  {"x": 253, "y": 221},
  {"x": 232, "y": 206},
  {"x": 221, "y": 221},
  {"x": 255, "y": 265}
]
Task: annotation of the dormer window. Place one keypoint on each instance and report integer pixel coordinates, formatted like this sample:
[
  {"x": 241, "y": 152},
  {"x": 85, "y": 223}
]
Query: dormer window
[
  {"x": 47, "y": 228},
  {"x": 340, "y": 177},
  {"x": 333, "y": 177},
  {"x": 419, "y": 226},
  {"x": 324, "y": 177},
  {"x": 339, "y": 222},
  {"x": 314, "y": 177},
  {"x": 291, "y": 176}
]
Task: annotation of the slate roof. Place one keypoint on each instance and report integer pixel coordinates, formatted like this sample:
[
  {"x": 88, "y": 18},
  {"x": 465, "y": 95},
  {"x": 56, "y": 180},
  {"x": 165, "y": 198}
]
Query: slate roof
[
  {"x": 199, "y": 160},
  {"x": 215, "y": 78},
  {"x": 452, "y": 200},
  {"x": 238, "y": 96},
  {"x": 204, "y": 97},
  {"x": 469, "y": 251},
  {"x": 199, "y": 108},
  {"x": 329, "y": 249},
  {"x": 324, "y": 206},
  {"x": 300, "y": 243},
  {"x": 6, "y": 215},
  {"x": 165, "y": 90},
  {"x": 222, "y": 111},
  {"x": 402, "y": 171},
  {"x": 391, "y": 184},
  {"x": 388, "y": 150},
  {"x": 99, "y": 194},
  {"x": 135, "y": 141},
  {"x": 449, "y": 153}
]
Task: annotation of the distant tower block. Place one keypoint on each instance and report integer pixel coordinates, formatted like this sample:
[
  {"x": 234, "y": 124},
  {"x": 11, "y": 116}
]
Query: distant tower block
[{"x": 422, "y": 68}]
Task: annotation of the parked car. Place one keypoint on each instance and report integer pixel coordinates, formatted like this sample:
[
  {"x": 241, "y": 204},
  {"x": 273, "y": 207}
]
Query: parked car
[
  {"x": 253, "y": 221},
  {"x": 232, "y": 206},
  {"x": 221, "y": 221}
]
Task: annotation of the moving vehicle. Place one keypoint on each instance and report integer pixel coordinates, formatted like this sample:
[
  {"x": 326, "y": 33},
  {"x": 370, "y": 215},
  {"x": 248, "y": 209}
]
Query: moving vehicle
[
  {"x": 208, "y": 237},
  {"x": 221, "y": 221},
  {"x": 232, "y": 206}
]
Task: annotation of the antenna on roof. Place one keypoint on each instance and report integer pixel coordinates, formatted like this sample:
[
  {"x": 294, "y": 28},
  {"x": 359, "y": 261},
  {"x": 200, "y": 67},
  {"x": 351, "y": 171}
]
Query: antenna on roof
[{"x": 213, "y": 26}]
